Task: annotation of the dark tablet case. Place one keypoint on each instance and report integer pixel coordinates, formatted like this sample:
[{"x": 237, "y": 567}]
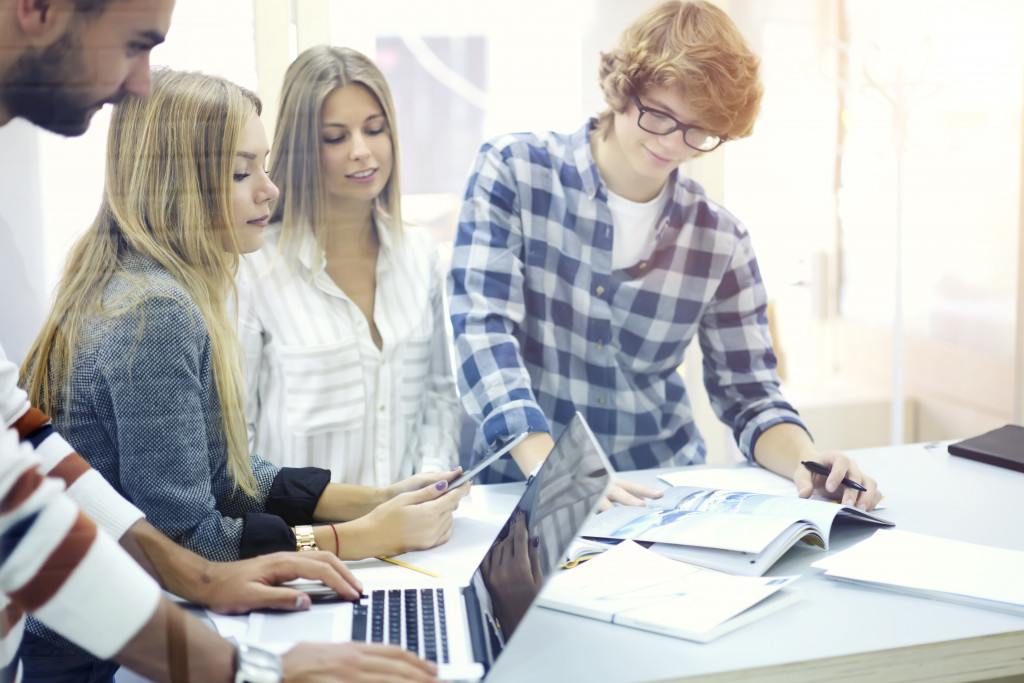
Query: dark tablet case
[{"x": 1003, "y": 447}]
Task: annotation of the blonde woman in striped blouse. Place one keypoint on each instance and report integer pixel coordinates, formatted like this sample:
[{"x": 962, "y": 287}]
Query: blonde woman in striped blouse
[{"x": 341, "y": 310}]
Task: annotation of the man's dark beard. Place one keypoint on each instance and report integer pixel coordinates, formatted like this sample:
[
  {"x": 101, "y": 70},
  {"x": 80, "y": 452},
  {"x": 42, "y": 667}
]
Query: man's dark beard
[{"x": 40, "y": 88}]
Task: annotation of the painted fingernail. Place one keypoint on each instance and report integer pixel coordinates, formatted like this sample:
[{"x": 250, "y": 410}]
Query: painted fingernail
[
  {"x": 441, "y": 485},
  {"x": 303, "y": 602}
]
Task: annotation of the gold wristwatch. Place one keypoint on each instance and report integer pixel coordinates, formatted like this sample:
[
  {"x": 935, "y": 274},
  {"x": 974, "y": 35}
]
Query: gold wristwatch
[{"x": 304, "y": 538}]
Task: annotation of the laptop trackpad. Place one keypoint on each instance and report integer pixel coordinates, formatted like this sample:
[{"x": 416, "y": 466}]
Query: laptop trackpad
[
  {"x": 330, "y": 621},
  {"x": 471, "y": 671}
]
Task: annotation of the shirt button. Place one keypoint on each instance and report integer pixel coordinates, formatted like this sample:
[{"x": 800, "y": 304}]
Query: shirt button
[
  {"x": 643, "y": 265},
  {"x": 599, "y": 345},
  {"x": 599, "y": 290},
  {"x": 600, "y": 400},
  {"x": 382, "y": 409}
]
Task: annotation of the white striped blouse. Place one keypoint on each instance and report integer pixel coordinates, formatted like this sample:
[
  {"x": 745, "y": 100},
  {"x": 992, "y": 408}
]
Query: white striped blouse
[{"x": 319, "y": 391}]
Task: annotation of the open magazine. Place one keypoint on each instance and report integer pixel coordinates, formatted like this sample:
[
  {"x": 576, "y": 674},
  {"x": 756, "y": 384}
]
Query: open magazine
[{"x": 732, "y": 531}]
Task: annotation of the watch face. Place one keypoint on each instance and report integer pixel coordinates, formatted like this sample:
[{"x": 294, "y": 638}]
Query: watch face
[{"x": 257, "y": 666}]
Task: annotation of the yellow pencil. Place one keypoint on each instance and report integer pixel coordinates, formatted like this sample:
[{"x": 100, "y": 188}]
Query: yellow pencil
[
  {"x": 392, "y": 560},
  {"x": 579, "y": 560}
]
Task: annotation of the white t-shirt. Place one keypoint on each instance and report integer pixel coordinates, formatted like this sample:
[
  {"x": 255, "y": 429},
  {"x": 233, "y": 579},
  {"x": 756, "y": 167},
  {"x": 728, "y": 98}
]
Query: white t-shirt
[{"x": 635, "y": 224}]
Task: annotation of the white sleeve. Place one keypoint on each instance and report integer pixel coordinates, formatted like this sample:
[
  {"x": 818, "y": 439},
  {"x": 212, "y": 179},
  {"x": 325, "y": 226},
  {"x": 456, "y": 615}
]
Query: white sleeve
[
  {"x": 58, "y": 566},
  {"x": 85, "y": 486},
  {"x": 13, "y": 400}
]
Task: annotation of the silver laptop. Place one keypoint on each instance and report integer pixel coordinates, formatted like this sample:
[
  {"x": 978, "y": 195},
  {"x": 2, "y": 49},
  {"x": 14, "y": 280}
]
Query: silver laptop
[{"x": 464, "y": 628}]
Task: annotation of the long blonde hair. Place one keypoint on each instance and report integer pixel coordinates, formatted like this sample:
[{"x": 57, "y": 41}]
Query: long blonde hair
[
  {"x": 296, "y": 157},
  {"x": 167, "y": 197}
]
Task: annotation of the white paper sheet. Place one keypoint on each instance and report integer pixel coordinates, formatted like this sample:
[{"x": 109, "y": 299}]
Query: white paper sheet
[
  {"x": 917, "y": 562},
  {"x": 636, "y": 587},
  {"x": 457, "y": 559},
  {"x": 750, "y": 479}
]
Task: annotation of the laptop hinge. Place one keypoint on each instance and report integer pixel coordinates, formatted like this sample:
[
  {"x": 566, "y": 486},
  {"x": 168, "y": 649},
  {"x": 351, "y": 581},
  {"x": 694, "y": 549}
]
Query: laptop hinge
[{"x": 477, "y": 627}]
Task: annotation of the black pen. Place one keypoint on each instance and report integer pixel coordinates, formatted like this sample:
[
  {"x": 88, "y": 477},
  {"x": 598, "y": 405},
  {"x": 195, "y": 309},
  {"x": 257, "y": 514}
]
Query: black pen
[{"x": 818, "y": 468}]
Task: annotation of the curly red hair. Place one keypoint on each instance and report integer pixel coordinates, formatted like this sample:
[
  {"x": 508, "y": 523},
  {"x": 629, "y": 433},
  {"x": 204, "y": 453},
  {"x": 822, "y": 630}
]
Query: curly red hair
[{"x": 691, "y": 45}]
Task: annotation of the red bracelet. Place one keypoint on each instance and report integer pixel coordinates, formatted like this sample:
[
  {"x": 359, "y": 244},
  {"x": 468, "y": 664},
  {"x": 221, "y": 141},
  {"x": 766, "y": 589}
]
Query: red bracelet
[{"x": 337, "y": 544}]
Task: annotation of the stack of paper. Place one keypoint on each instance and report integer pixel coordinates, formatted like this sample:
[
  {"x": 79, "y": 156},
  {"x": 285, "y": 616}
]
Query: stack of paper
[
  {"x": 940, "y": 568},
  {"x": 634, "y": 587}
]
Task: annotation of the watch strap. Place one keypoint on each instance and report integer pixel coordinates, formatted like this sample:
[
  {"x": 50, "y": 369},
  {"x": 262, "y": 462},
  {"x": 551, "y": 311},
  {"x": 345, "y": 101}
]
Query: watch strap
[
  {"x": 256, "y": 665},
  {"x": 304, "y": 538}
]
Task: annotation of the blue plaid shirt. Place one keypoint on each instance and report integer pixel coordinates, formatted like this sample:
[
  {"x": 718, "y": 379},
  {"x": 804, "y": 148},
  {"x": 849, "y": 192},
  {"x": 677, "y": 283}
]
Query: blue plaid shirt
[{"x": 545, "y": 327}]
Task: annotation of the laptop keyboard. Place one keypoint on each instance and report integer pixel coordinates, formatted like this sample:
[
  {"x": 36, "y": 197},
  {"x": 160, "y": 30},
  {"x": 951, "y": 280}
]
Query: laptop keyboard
[{"x": 411, "y": 618}]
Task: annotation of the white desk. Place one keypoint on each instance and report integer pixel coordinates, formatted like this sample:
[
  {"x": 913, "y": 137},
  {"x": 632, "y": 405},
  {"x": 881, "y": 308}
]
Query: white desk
[{"x": 839, "y": 631}]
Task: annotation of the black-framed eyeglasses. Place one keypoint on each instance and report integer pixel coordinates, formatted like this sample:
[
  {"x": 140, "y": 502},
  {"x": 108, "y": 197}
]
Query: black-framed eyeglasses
[{"x": 661, "y": 123}]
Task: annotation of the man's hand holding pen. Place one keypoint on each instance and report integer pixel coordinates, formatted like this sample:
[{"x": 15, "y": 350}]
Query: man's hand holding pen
[{"x": 837, "y": 476}]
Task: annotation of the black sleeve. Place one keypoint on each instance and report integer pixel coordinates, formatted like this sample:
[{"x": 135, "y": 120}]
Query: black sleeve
[
  {"x": 293, "y": 497},
  {"x": 263, "y": 533},
  {"x": 294, "y": 493}
]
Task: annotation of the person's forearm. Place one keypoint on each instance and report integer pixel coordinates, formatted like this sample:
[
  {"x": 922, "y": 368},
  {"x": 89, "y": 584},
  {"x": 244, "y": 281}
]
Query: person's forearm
[
  {"x": 349, "y": 540},
  {"x": 175, "y": 646},
  {"x": 355, "y": 540},
  {"x": 177, "y": 569},
  {"x": 345, "y": 502},
  {"x": 534, "y": 449},
  {"x": 780, "y": 448}
]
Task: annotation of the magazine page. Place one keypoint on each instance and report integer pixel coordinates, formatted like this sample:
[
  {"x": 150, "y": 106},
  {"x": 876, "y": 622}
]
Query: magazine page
[
  {"x": 744, "y": 564},
  {"x": 727, "y": 520},
  {"x": 733, "y": 531},
  {"x": 820, "y": 513},
  {"x": 583, "y": 548},
  {"x": 750, "y": 478}
]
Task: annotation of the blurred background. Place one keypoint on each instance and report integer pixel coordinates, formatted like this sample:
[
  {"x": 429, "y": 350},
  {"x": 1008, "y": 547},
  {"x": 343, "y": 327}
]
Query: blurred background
[{"x": 882, "y": 185}]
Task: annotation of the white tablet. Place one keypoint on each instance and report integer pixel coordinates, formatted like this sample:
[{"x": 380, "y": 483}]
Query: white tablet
[{"x": 480, "y": 466}]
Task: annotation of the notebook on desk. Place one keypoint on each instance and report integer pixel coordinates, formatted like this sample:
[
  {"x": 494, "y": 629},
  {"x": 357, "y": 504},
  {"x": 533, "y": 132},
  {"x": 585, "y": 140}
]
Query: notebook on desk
[
  {"x": 464, "y": 628},
  {"x": 1003, "y": 447}
]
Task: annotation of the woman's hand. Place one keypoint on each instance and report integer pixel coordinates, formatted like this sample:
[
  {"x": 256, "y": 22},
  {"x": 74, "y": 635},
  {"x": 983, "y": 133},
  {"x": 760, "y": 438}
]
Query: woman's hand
[
  {"x": 419, "y": 481},
  {"x": 628, "y": 493},
  {"x": 832, "y": 487},
  {"x": 511, "y": 572},
  {"x": 415, "y": 520}
]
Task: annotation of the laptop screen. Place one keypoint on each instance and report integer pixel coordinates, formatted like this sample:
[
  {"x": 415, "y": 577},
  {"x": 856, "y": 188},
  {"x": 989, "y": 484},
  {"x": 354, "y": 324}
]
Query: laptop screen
[{"x": 530, "y": 546}]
